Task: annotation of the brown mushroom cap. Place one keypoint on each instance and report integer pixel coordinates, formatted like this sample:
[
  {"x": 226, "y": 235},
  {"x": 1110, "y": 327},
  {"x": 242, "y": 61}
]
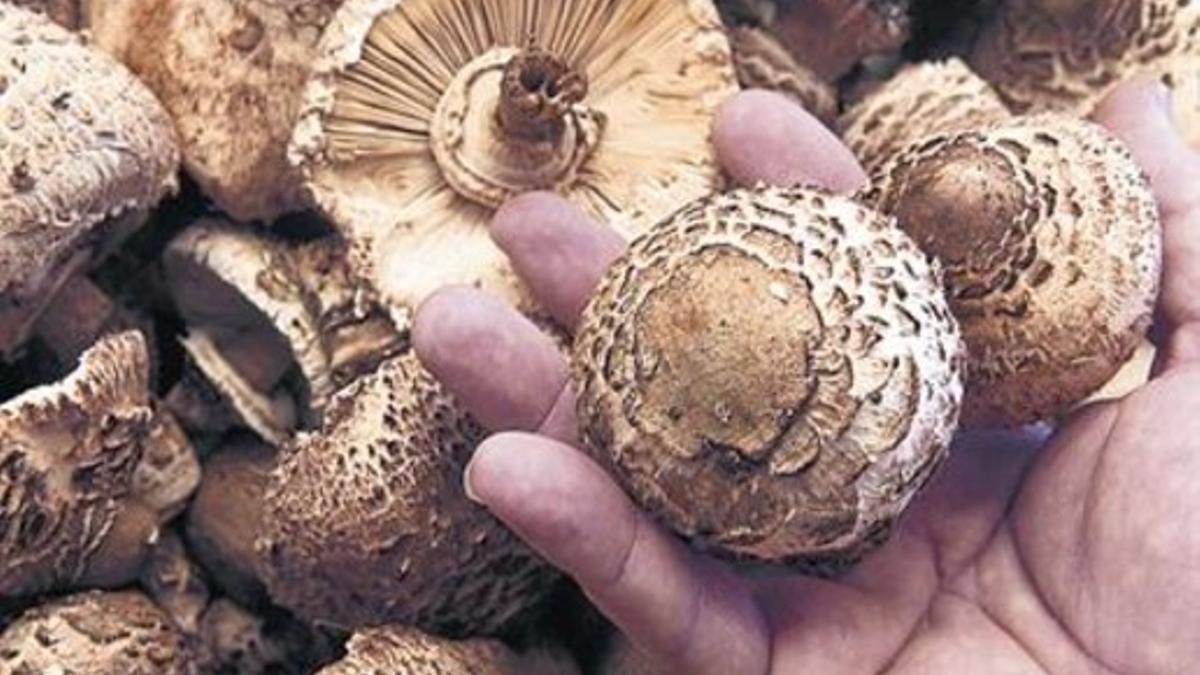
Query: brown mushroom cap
[
  {"x": 175, "y": 582},
  {"x": 231, "y": 73},
  {"x": 366, "y": 521},
  {"x": 86, "y": 150},
  {"x": 1050, "y": 240},
  {"x": 920, "y": 100},
  {"x": 1067, "y": 54},
  {"x": 242, "y": 642},
  {"x": 832, "y": 36},
  {"x": 772, "y": 373},
  {"x": 762, "y": 63},
  {"x": 81, "y": 505},
  {"x": 400, "y": 141},
  {"x": 98, "y": 633},
  {"x": 403, "y": 651}
]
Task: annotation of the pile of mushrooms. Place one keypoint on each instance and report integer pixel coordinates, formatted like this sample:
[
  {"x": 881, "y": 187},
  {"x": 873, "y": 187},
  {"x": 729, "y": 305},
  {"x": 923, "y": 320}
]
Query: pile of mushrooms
[{"x": 219, "y": 451}]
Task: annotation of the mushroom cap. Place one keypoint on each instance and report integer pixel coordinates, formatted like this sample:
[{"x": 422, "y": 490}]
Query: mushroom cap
[
  {"x": 920, "y": 100},
  {"x": 98, "y": 633},
  {"x": 396, "y": 141},
  {"x": 71, "y": 453},
  {"x": 84, "y": 144},
  {"x": 366, "y": 522},
  {"x": 773, "y": 373},
  {"x": 832, "y": 36},
  {"x": 1067, "y": 54},
  {"x": 175, "y": 582},
  {"x": 403, "y": 651},
  {"x": 1051, "y": 244},
  {"x": 272, "y": 643},
  {"x": 231, "y": 73},
  {"x": 763, "y": 63}
]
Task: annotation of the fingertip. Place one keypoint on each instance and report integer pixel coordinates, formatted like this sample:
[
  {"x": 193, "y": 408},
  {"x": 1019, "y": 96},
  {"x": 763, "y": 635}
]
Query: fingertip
[
  {"x": 764, "y": 137},
  {"x": 436, "y": 327}
]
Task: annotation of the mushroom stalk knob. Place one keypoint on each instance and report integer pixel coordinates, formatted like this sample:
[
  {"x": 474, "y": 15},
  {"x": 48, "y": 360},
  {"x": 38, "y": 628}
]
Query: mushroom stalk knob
[{"x": 537, "y": 91}]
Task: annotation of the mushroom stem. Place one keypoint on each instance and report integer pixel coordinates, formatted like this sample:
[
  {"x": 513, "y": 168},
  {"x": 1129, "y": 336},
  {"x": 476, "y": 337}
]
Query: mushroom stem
[{"x": 536, "y": 92}]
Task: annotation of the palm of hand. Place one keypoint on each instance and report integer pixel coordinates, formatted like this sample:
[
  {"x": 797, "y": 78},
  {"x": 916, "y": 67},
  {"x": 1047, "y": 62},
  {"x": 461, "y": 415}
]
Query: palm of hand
[{"x": 1069, "y": 558}]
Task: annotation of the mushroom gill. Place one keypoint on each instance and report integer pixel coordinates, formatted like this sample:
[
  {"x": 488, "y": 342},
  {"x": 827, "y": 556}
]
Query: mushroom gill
[{"x": 425, "y": 115}]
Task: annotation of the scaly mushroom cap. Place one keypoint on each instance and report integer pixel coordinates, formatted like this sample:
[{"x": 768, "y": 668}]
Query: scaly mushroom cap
[
  {"x": 1051, "y": 244},
  {"x": 1067, "y": 54},
  {"x": 762, "y": 63},
  {"x": 832, "y": 36},
  {"x": 425, "y": 115},
  {"x": 920, "y": 100},
  {"x": 366, "y": 521},
  {"x": 403, "y": 651},
  {"x": 98, "y": 633},
  {"x": 73, "y": 457},
  {"x": 773, "y": 373},
  {"x": 85, "y": 147},
  {"x": 231, "y": 73}
]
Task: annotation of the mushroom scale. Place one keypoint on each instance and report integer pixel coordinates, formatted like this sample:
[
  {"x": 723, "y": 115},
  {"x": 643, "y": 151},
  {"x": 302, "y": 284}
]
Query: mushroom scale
[
  {"x": 1052, "y": 248},
  {"x": 773, "y": 373},
  {"x": 87, "y": 150},
  {"x": 920, "y": 100},
  {"x": 762, "y": 63},
  {"x": 424, "y": 115},
  {"x": 98, "y": 633},
  {"x": 403, "y": 651},
  {"x": 78, "y": 503},
  {"x": 366, "y": 522},
  {"x": 1044, "y": 55}
]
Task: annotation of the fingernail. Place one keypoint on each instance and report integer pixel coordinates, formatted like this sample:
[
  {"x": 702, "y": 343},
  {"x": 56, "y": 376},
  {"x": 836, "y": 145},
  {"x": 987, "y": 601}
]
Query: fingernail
[{"x": 468, "y": 486}]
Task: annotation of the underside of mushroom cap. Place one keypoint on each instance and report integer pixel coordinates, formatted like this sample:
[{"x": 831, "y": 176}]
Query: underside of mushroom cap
[
  {"x": 772, "y": 373},
  {"x": 86, "y": 146},
  {"x": 1051, "y": 244},
  {"x": 403, "y": 651},
  {"x": 366, "y": 522},
  {"x": 1067, "y": 54},
  {"x": 920, "y": 100},
  {"x": 98, "y": 633},
  {"x": 405, "y": 142},
  {"x": 231, "y": 73}
]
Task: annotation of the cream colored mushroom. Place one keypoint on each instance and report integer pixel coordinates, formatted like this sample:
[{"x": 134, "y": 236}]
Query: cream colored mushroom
[
  {"x": 365, "y": 522},
  {"x": 91, "y": 471},
  {"x": 425, "y": 115},
  {"x": 1051, "y": 243},
  {"x": 87, "y": 150},
  {"x": 762, "y": 63},
  {"x": 1067, "y": 54},
  {"x": 98, "y": 633},
  {"x": 920, "y": 100},
  {"x": 403, "y": 651},
  {"x": 773, "y": 374},
  {"x": 230, "y": 72},
  {"x": 256, "y": 306}
]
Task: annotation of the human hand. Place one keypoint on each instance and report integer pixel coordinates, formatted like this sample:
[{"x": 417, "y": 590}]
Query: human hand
[{"x": 1068, "y": 558}]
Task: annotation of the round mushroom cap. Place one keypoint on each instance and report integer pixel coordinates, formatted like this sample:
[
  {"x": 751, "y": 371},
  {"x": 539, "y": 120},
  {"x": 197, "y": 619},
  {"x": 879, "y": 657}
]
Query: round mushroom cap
[
  {"x": 98, "y": 633},
  {"x": 403, "y": 651},
  {"x": 366, "y": 521},
  {"x": 231, "y": 73},
  {"x": 763, "y": 63},
  {"x": 405, "y": 144},
  {"x": 85, "y": 148},
  {"x": 772, "y": 373},
  {"x": 72, "y": 455},
  {"x": 1066, "y": 55},
  {"x": 1052, "y": 248},
  {"x": 920, "y": 100}
]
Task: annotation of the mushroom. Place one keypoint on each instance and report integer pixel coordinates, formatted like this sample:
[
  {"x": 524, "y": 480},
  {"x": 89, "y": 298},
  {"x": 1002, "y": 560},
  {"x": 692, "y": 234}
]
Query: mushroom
[
  {"x": 91, "y": 471},
  {"x": 1051, "y": 244},
  {"x": 256, "y": 306},
  {"x": 241, "y": 642},
  {"x": 920, "y": 100},
  {"x": 404, "y": 651},
  {"x": 224, "y": 519},
  {"x": 762, "y": 63},
  {"x": 63, "y": 12},
  {"x": 175, "y": 583},
  {"x": 1066, "y": 55},
  {"x": 366, "y": 522},
  {"x": 423, "y": 116},
  {"x": 98, "y": 633},
  {"x": 87, "y": 151},
  {"x": 231, "y": 73},
  {"x": 773, "y": 374}
]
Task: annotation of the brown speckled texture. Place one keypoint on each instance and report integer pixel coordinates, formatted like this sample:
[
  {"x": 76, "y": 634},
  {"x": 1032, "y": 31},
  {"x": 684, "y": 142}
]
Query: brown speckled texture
[
  {"x": 366, "y": 522},
  {"x": 403, "y": 651},
  {"x": 762, "y": 63},
  {"x": 774, "y": 374},
  {"x": 1051, "y": 243}
]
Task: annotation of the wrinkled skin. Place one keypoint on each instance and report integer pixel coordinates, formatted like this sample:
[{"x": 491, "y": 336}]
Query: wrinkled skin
[{"x": 1070, "y": 556}]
